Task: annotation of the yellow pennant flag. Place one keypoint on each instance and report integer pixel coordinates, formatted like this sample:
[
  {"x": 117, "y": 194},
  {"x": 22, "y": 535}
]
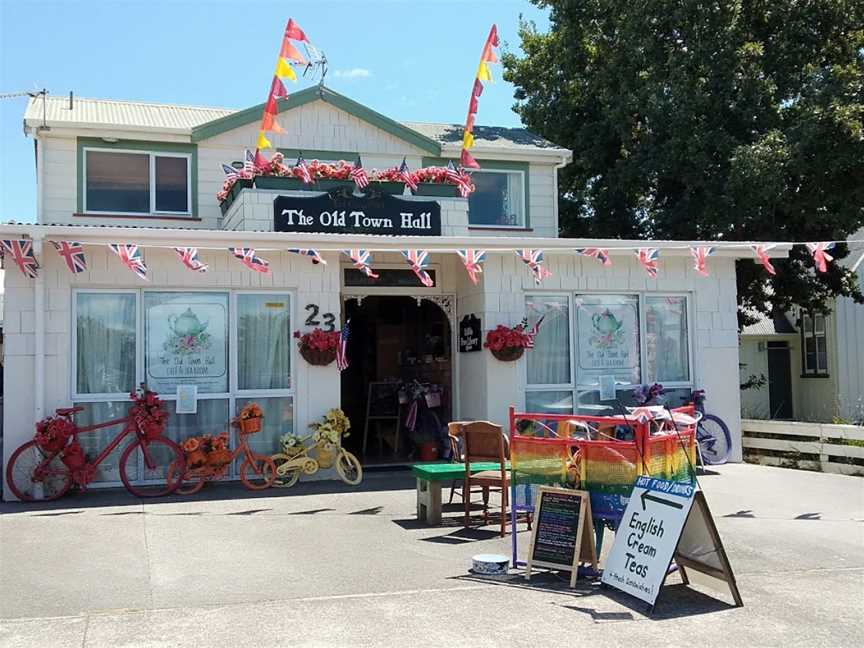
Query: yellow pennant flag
[
  {"x": 284, "y": 71},
  {"x": 263, "y": 142},
  {"x": 483, "y": 72},
  {"x": 467, "y": 140}
]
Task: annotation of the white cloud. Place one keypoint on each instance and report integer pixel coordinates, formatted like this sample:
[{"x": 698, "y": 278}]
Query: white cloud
[{"x": 353, "y": 73}]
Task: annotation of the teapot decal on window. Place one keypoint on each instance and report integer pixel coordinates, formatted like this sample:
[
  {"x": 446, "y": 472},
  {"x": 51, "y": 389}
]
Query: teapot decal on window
[
  {"x": 188, "y": 334},
  {"x": 609, "y": 330},
  {"x": 186, "y": 324}
]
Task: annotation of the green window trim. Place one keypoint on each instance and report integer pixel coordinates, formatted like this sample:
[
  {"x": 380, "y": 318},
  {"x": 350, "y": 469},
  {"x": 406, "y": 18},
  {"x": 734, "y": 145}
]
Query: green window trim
[
  {"x": 144, "y": 147},
  {"x": 495, "y": 165}
]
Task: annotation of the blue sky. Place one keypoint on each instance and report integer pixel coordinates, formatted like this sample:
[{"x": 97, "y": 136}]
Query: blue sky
[{"x": 411, "y": 60}]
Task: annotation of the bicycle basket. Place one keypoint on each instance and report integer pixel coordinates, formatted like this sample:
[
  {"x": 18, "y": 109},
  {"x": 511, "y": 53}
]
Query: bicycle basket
[{"x": 53, "y": 433}]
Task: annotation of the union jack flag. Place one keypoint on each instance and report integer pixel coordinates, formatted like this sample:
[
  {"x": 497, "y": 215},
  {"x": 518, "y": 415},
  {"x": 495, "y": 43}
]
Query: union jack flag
[
  {"x": 534, "y": 260},
  {"x": 407, "y": 176},
  {"x": 248, "y": 164},
  {"x": 342, "y": 348},
  {"x": 417, "y": 260},
  {"x": 362, "y": 260},
  {"x": 358, "y": 175},
  {"x": 472, "y": 260},
  {"x": 643, "y": 414},
  {"x": 303, "y": 168},
  {"x": 461, "y": 179},
  {"x": 601, "y": 254},
  {"x": 820, "y": 255},
  {"x": 761, "y": 252},
  {"x": 648, "y": 258},
  {"x": 73, "y": 254},
  {"x": 230, "y": 172},
  {"x": 533, "y": 331},
  {"x": 248, "y": 258},
  {"x": 22, "y": 255},
  {"x": 313, "y": 254},
  {"x": 189, "y": 258},
  {"x": 130, "y": 256},
  {"x": 700, "y": 256}
]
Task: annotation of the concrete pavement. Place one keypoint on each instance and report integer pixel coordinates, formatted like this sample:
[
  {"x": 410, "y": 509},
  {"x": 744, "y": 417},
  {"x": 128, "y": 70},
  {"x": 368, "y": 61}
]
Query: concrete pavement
[{"x": 326, "y": 565}]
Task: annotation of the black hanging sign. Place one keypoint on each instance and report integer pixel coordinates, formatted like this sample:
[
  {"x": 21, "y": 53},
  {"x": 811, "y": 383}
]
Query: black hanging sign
[
  {"x": 469, "y": 334},
  {"x": 383, "y": 214}
]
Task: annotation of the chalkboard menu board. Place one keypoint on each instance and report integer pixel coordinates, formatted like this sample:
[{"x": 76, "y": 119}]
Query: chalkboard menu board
[{"x": 562, "y": 533}]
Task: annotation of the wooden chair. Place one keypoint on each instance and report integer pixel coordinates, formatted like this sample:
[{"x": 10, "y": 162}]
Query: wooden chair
[{"x": 485, "y": 441}]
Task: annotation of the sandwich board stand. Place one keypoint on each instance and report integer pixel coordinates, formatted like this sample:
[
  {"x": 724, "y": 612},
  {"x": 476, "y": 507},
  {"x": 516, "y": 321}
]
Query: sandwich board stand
[
  {"x": 665, "y": 520},
  {"x": 563, "y": 532}
]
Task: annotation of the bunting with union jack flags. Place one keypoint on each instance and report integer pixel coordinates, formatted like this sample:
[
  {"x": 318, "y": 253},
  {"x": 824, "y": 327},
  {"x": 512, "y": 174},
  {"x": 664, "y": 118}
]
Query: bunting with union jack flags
[
  {"x": 73, "y": 254},
  {"x": 534, "y": 260},
  {"x": 189, "y": 258},
  {"x": 250, "y": 259},
  {"x": 820, "y": 255},
  {"x": 601, "y": 254},
  {"x": 312, "y": 254},
  {"x": 417, "y": 260},
  {"x": 342, "y": 348},
  {"x": 761, "y": 252},
  {"x": 700, "y": 256},
  {"x": 648, "y": 259},
  {"x": 473, "y": 259},
  {"x": 362, "y": 260},
  {"x": 358, "y": 175},
  {"x": 130, "y": 256},
  {"x": 22, "y": 254}
]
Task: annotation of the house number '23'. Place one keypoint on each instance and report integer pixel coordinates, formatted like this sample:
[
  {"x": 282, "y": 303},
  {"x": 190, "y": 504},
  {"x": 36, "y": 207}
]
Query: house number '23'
[{"x": 312, "y": 320}]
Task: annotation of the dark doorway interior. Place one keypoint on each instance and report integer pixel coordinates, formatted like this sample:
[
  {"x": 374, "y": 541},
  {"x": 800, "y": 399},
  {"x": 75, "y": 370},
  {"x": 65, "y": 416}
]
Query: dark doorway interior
[
  {"x": 780, "y": 380},
  {"x": 400, "y": 373}
]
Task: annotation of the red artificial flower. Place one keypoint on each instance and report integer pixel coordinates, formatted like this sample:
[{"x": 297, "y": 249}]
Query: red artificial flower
[
  {"x": 503, "y": 337},
  {"x": 318, "y": 340}
]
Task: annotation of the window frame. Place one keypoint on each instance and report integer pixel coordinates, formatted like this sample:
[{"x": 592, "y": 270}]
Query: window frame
[
  {"x": 817, "y": 371},
  {"x": 524, "y": 224},
  {"x": 152, "y": 155}
]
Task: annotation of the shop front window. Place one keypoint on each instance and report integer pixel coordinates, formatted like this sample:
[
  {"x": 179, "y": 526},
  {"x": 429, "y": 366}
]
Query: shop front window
[
  {"x": 666, "y": 344},
  {"x": 498, "y": 199},
  {"x": 263, "y": 342},
  {"x": 105, "y": 342}
]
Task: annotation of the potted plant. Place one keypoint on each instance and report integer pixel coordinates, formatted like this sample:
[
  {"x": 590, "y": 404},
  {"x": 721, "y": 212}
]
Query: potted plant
[
  {"x": 433, "y": 181},
  {"x": 248, "y": 421},
  {"x": 328, "y": 435},
  {"x": 318, "y": 347},
  {"x": 507, "y": 344}
]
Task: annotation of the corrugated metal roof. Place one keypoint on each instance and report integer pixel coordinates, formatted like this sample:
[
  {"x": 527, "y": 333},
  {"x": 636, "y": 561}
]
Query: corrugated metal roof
[{"x": 485, "y": 136}]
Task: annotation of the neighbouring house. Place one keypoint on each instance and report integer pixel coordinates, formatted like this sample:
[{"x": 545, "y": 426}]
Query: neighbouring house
[{"x": 134, "y": 173}]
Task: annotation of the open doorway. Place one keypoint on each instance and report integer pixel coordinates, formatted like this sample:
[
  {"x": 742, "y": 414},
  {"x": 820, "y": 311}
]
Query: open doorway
[{"x": 397, "y": 387}]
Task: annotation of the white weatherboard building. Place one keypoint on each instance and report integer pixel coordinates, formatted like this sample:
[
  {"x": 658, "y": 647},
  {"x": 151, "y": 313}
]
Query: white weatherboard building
[{"x": 137, "y": 173}]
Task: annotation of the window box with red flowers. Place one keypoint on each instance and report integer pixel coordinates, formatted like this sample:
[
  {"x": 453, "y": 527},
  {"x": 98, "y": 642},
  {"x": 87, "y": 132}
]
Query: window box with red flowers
[
  {"x": 433, "y": 181},
  {"x": 507, "y": 344},
  {"x": 318, "y": 347}
]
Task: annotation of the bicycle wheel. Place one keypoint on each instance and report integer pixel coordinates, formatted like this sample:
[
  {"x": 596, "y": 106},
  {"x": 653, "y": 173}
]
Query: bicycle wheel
[
  {"x": 145, "y": 468},
  {"x": 34, "y": 476},
  {"x": 715, "y": 442},
  {"x": 188, "y": 482},
  {"x": 285, "y": 477},
  {"x": 257, "y": 471},
  {"x": 349, "y": 468}
]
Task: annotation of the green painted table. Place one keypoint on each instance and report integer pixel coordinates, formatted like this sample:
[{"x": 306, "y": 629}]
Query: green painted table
[{"x": 429, "y": 477}]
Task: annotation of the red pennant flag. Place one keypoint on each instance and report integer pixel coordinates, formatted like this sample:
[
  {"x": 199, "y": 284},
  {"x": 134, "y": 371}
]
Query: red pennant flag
[
  {"x": 472, "y": 105},
  {"x": 293, "y": 31},
  {"x": 261, "y": 162},
  {"x": 271, "y": 108},
  {"x": 277, "y": 89},
  {"x": 467, "y": 161},
  {"x": 290, "y": 52},
  {"x": 477, "y": 90},
  {"x": 469, "y": 123},
  {"x": 269, "y": 123},
  {"x": 493, "y": 36}
]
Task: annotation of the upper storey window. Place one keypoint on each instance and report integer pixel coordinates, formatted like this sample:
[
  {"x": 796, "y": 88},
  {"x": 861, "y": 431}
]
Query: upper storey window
[
  {"x": 498, "y": 199},
  {"x": 136, "y": 182}
]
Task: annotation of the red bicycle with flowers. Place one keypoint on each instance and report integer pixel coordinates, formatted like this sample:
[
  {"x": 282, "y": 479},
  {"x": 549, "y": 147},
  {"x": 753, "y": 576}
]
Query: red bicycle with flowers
[{"x": 45, "y": 468}]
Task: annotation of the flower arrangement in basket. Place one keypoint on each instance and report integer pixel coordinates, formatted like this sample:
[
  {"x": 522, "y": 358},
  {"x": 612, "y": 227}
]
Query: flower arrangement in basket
[
  {"x": 52, "y": 433},
  {"x": 318, "y": 347},
  {"x": 291, "y": 445},
  {"x": 248, "y": 421},
  {"x": 507, "y": 344},
  {"x": 149, "y": 412},
  {"x": 328, "y": 435},
  {"x": 207, "y": 450}
]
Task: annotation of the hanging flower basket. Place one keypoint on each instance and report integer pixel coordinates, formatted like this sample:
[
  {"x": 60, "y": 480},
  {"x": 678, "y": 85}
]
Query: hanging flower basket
[
  {"x": 507, "y": 344},
  {"x": 318, "y": 357},
  {"x": 318, "y": 347},
  {"x": 508, "y": 354}
]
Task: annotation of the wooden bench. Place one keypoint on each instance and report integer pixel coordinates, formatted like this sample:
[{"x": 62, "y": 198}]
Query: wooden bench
[{"x": 429, "y": 477}]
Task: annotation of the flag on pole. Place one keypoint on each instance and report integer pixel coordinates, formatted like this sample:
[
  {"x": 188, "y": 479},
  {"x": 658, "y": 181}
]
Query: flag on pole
[
  {"x": 362, "y": 260},
  {"x": 534, "y": 260},
  {"x": 761, "y": 252},
  {"x": 130, "y": 256},
  {"x": 312, "y": 254},
  {"x": 293, "y": 31},
  {"x": 248, "y": 258},
  {"x": 459, "y": 178},
  {"x": 262, "y": 142},
  {"x": 533, "y": 331},
  {"x": 601, "y": 254},
  {"x": 700, "y": 256},
  {"x": 358, "y": 175},
  {"x": 820, "y": 255},
  {"x": 278, "y": 90},
  {"x": 472, "y": 259},
  {"x": 303, "y": 168},
  {"x": 73, "y": 254},
  {"x": 487, "y": 56},
  {"x": 23, "y": 256},
  {"x": 230, "y": 172},
  {"x": 648, "y": 258},
  {"x": 249, "y": 163},
  {"x": 189, "y": 258},
  {"x": 406, "y": 176},
  {"x": 417, "y": 260},
  {"x": 342, "y": 348}
]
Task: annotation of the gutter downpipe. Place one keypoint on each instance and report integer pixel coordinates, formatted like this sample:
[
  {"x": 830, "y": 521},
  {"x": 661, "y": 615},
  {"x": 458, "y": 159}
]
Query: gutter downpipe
[{"x": 39, "y": 335}]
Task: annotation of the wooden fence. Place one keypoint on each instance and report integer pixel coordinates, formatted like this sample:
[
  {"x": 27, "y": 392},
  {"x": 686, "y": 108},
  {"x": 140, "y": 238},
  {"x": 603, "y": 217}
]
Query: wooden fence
[{"x": 811, "y": 446}]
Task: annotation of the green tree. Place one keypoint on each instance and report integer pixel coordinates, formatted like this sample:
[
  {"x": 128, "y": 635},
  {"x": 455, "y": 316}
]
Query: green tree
[{"x": 689, "y": 119}]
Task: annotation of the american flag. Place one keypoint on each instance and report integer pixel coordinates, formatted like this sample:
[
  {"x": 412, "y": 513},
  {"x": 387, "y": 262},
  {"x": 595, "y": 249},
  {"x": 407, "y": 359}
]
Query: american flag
[
  {"x": 73, "y": 254},
  {"x": 761, "y": 252},
  {"x": 417, "y": 260},
  {"x": 358, "y": 175},
  {"x": 248, "y": 164},
  {"x": 648, "y": 258},
  {"x": 230, "y": 172},
  {"x": 700, "y": 256},
  {"x": 407, "y": 176},
  {"x": 362, "y": 260},
  {"x": 248, "y": 258},
  {"x": 472, "y": 260},
  {"x": 461, "y": 179},
  {"x": 22, "y": 255},
  {"x": 312, "y": 254},
  {"x": 305, "y": 174},
  {"x": 533, "y": 331},
  {"x": 820, "y": 255},
  {"x": 189, "y": 258},
  {"x": 601, "y": 254},
  {"x": 342, "y": 348},
  {"x": 130, "y": 256},
  {"x": 534, "y": 260}
]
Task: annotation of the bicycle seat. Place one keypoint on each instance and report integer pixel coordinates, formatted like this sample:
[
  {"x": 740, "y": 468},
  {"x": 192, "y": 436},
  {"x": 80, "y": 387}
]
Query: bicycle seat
[{"x": 66, "y": 411}]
